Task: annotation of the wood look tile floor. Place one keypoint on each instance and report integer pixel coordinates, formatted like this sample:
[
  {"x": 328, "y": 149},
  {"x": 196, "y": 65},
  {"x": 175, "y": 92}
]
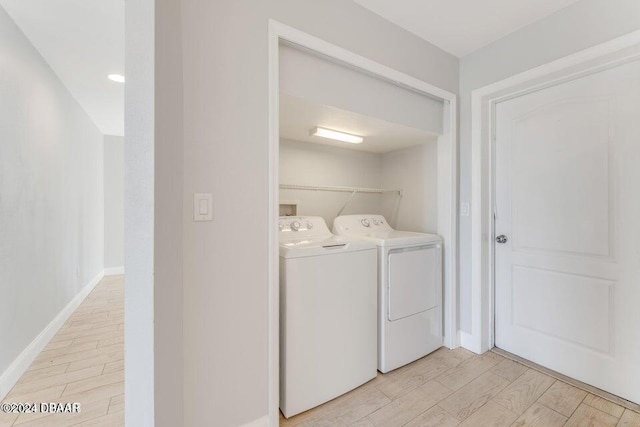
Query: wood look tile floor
[
  {"x": 84, "y": 362},
  {"x": 458, "y": 388}
]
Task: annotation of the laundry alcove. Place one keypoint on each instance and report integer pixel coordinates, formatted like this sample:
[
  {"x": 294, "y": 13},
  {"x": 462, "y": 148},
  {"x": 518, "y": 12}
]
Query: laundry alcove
[{"x": 393, "y": 172}]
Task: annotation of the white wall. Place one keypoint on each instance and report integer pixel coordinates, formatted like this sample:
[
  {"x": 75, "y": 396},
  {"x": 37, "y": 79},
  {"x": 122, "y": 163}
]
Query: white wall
[
  {"x": 415, "y": 171},
  {"x": 326, "y": 82},
  {"x": 577, "y": 27},
  {"x": 305, "y": 163},
  {"x": 139, "y": 304},
  {"x": 168, "y": 212},
  {"x": 154, "y": 214},
  {"x": 225, "y": 45},
  {"x": 113, "y": 202},
  {"x": 51, "y": 195}
]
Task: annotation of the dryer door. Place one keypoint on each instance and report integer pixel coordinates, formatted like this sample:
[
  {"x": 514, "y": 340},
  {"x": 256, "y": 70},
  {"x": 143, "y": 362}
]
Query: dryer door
[{"x": 414, "y": 280}]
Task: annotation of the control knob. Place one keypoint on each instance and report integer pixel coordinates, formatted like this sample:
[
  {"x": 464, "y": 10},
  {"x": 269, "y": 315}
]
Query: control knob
[
  {"x": 309, "y": 225},
  {"x": 295, "y": 225},
  {"x": 365, "y": 222}
]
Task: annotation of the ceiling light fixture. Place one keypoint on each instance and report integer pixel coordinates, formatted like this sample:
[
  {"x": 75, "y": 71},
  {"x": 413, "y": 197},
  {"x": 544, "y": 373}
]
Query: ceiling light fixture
[
  {"x": 118, "y": 78},
  {"x": 334, "y": 134}
]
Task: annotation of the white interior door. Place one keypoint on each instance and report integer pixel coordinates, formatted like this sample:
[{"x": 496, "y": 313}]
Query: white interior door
[{"x": 567, "y": 280}]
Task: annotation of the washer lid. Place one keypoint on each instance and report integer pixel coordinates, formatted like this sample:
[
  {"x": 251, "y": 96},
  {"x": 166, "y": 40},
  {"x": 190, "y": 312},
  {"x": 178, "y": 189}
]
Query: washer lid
[
  {"x": 376, "y": 229},
  {"x": 321, "y": 245},
  {"x": 394, "y": 237}
]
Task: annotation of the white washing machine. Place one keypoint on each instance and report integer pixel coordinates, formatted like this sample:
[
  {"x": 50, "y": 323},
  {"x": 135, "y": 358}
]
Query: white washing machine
[
  {"x": 328, "y": 312},
  {"x": 409, "y": 288}
]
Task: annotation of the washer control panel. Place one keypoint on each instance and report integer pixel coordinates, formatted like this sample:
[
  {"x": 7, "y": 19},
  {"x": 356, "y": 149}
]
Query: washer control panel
[
  {"x": 302, "y": 226},
  {"x": 361, "y": 223}
]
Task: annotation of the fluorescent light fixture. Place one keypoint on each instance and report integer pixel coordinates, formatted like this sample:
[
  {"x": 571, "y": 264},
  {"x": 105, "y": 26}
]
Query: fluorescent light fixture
[
  {"x": 334, "y": 134},
  {"x": 118, "y": 78}
]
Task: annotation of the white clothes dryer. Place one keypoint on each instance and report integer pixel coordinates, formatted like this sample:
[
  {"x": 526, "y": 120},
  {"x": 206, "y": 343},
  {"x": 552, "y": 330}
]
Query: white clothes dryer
[
  {"x": 328, "y": 311},
  {"x": 409, "y": 288}
]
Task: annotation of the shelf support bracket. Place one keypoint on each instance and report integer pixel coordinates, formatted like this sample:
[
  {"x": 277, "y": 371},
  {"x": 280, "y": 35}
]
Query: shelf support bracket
[{"x": 347, "y": 202}]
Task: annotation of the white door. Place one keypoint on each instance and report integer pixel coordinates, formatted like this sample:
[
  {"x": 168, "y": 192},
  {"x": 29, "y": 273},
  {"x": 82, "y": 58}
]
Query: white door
[{"x": 567, "y": 280}]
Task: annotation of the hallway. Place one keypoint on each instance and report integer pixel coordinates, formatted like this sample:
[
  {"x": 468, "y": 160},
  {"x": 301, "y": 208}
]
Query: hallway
[{"x": 83, "y": 363}]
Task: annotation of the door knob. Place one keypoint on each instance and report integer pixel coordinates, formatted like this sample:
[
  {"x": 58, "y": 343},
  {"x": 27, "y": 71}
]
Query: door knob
[{"x": 502, "y": 239}]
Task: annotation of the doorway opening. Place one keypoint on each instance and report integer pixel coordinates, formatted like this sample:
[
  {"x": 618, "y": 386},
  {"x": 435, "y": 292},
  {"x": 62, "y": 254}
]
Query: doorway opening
[{"x": 593, "y": 83}]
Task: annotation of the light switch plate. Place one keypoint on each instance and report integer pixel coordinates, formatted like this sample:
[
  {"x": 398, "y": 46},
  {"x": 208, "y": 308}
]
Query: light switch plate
[
  {"x": 464, "y": 209},
  {"x": 202, "y": 207}
]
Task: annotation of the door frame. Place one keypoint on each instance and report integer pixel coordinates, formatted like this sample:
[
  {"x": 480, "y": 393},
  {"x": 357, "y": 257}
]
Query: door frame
[
  {"x": 483, "y": 102},
  {"x": 447, "y": 183}
]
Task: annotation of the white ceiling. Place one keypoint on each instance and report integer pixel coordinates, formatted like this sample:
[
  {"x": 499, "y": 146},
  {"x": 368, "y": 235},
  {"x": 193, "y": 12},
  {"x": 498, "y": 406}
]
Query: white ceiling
[
  {"x": 298, "y": 116},
  {"x": 461, "y": 27},
  {"x": 83, "y": 42}
]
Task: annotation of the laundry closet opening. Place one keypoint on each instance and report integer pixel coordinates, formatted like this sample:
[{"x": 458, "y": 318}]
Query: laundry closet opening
[
  {"x": 395, "y": 165},
  {"x": 365, "y": 219}
]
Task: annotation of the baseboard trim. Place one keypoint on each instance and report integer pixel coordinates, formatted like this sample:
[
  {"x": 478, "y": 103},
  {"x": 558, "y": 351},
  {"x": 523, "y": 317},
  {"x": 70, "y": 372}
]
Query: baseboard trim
[
  {"x": 114, "y": 271},
  {"x": 260, "y": 422},
  {"x": 13, "y": 373},
  {"x": 467, "y": 341}
]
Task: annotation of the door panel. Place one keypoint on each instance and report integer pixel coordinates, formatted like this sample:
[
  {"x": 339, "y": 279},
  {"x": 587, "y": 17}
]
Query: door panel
[
  {"x": 552, "y": 291},
  {"x": 564, "y": 142},
  {"x": 567, "y": 281}
]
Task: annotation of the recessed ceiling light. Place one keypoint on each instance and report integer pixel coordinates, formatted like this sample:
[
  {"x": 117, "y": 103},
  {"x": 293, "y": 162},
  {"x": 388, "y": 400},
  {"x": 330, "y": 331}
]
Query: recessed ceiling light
[
  {"x": 337, "y": 135},
  {"x": 119, "y": 78}
]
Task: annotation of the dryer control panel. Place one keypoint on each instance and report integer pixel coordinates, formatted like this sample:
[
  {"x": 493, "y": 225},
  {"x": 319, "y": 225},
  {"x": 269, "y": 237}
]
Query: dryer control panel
[
  {"x": 361, "y": 223},
  {"x": 302, "y": 226}
]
